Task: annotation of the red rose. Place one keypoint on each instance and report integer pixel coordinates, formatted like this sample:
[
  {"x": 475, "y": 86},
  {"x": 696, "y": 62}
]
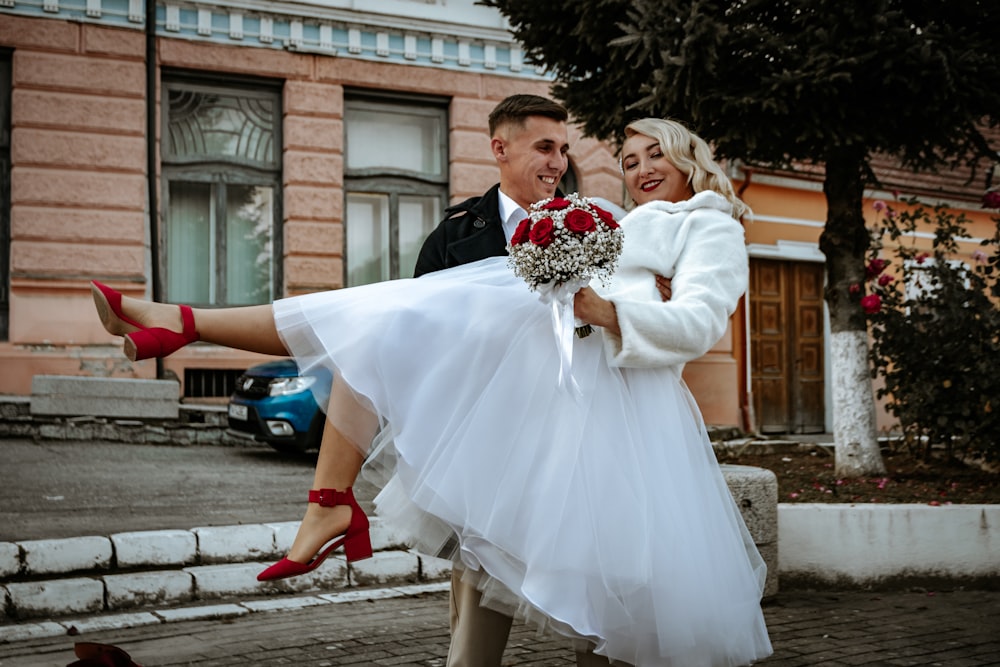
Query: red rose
[
  {"x": 884, "y": 279},
  {"x": 521, "y": 233},
  {"x": 871, "y": 304},
  {"x": 541, "y": 232},
  {"x": 606, "y": 217},
  {"x": 558, "y": 203},
  {"x": 875, "y": 267},
  {"x": 854, "y": 288},
  {"x": 579, "y": 221},
  {"x": 991, "y": 199}
]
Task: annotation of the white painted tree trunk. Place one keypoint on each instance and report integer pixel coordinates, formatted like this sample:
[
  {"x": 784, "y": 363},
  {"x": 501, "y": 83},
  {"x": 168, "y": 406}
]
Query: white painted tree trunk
[{"x": 854, "y": 433}]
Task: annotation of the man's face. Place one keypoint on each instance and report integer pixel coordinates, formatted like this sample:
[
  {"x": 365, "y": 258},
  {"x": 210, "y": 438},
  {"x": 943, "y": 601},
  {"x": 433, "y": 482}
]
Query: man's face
[{"x": 532, "y": 159}]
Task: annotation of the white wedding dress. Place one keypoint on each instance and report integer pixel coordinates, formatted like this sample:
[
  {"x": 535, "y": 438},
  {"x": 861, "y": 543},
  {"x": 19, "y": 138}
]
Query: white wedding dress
[{"x": 603, "y": 517}]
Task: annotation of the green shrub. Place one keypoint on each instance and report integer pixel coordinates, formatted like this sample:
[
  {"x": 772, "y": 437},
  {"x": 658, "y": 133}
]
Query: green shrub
[{"x": 935, "y": 326}]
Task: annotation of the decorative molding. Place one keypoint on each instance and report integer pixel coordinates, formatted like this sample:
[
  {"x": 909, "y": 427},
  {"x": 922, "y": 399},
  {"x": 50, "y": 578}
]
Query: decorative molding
[
  {"x": 235, "y": 25},
  {"x": 787, "y": 250},
  {"x": 204, "y": 22},
  {"x": 458, "y": 34},
  {"x": 798, "y": 222}
]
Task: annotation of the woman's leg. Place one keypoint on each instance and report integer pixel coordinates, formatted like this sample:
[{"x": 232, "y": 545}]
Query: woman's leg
[
  {"x": 249, "y": 328},
  {"x": 337, "y": 467},
  {"x": 347, "y": 435}
]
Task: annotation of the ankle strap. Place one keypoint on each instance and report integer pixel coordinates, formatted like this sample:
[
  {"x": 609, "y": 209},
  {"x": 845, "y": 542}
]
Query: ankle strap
[{"x": 331, "y": 497}]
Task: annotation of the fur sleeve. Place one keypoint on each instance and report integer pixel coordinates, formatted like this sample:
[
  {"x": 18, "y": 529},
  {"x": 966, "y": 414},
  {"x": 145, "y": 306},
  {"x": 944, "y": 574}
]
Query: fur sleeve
[{"x": 709, "y": 276}]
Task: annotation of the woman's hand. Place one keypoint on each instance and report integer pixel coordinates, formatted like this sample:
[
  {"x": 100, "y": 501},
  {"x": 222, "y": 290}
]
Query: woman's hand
[
  {"x": 593, "y": 309},
  {"x": 663, "y": 286}
]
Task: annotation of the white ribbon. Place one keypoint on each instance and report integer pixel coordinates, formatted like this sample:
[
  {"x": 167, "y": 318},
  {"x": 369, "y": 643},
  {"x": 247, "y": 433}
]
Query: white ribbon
[{"x": 560, "y": 299}]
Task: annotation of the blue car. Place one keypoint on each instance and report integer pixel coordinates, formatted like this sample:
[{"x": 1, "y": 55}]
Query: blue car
[{"x": 272, "y": 403}]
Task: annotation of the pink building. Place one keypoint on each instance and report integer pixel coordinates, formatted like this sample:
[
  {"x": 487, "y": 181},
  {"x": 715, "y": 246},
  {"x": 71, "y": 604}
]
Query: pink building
[{"x": 272, "y": 149}]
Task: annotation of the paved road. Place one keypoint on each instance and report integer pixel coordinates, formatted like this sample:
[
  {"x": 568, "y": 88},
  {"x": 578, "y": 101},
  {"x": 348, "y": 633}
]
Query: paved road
[
  {"x": 958, "y": 629},
  {"x": 54, "y": 489}
]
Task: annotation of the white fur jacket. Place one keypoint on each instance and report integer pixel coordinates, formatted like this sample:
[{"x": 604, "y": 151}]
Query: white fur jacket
[{"x": 697, "y": 244}]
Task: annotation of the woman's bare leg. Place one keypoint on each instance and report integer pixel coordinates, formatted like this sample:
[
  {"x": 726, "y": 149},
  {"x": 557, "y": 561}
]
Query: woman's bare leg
[
  {"x": 337, "y": 466},
  {"x": 249, "y": 328}
]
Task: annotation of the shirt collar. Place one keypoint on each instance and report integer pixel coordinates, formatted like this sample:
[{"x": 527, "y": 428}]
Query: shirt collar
[{"x": 511, "y": 214}]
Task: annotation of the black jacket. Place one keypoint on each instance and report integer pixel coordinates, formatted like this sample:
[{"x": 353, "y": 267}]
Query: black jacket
[{"x": 470, "y": 231}]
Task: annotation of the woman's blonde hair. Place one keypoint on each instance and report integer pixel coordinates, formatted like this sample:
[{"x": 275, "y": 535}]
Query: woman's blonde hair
[{"x": 691, "y": 155}]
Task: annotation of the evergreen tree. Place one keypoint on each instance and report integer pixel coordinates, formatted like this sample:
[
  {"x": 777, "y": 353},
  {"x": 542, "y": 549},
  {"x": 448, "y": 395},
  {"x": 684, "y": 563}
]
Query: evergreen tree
[{"x": 775, "y": 82}]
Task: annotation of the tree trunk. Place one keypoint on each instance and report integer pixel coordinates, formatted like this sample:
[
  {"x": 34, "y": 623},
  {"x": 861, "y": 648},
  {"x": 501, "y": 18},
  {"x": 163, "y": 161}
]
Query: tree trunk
[{"x": 845, "y": 242}]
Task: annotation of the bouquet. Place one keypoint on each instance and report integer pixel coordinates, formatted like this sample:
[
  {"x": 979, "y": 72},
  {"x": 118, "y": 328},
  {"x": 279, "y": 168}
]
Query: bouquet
[
  {"x": 563, "y": 241},
  {"x": 562, "y": 245}
]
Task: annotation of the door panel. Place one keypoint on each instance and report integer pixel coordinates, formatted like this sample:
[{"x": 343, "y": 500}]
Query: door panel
[{"x": 786, "y": 338}]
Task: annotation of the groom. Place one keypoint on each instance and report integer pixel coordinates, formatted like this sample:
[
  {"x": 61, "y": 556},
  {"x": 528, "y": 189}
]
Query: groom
[{"x": 529, "y": 141}]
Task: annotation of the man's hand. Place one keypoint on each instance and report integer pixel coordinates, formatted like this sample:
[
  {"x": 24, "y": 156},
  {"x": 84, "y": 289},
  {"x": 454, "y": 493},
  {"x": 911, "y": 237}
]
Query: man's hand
[{"x": 663, "y": 285}]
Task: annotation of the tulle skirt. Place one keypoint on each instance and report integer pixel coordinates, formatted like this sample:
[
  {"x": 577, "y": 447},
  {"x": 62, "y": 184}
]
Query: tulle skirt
[{"x": 601, "y": 516}]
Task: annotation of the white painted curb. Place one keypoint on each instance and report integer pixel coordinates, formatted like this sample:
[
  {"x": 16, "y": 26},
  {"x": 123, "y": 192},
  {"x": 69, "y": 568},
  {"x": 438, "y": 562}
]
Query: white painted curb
[{"x": 870, "y": 544}]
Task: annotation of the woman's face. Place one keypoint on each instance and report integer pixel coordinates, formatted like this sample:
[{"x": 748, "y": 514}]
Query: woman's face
[{"x": 649, "y": 175}]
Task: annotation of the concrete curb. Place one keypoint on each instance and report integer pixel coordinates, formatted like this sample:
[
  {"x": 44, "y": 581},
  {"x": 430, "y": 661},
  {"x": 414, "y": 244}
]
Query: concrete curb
[
  {"x": 93, "y": 574},
  {"x": 843, "y": 546},
  {"x": 40, "y": 629}
]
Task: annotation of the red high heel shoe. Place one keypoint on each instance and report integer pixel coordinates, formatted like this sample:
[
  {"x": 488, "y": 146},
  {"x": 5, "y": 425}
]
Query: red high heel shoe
[
  {"x": 356, "y": 540},
  {"x": 147, "y": 342}
]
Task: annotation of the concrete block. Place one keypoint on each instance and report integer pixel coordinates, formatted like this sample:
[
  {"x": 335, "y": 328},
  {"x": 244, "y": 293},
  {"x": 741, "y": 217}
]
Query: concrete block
[
  {"x": 214, "y": 581},
  {"x": 10, "y": 559},
  {"x": 68, "y": 395},
  {"x": 848, "y": 545},
  {"x": 434, "y": 568},
  {"x": 66, "y": 555},
  {"x": 385, "y": 566},
  {"x": 275, "y": 604},
  {"x": 23, "y": 631},
  {"x": 148, "y": 588},
  {"x": 755, "y": 491},
  {"x": 226, "y": 544},
  {"x": 155, "y": 548},
  {"x": 205, "y": 613},
  {"x": 361, "y": 594},
  {"x": 56, "y": 597},
  {"x": 284, "y": 534},
  {"x": 113, "y": 622},
  {"x": 385, "y": 537}
]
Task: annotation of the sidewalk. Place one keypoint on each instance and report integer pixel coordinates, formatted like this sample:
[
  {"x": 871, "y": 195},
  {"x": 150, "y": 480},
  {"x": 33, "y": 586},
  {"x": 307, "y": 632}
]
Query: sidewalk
[
  {"x": 957, "y": 629},
  {"x": 179, "y": 595}
]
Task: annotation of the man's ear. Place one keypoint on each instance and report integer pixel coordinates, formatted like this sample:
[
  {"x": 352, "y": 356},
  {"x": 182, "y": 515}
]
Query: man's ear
[{"x": 499, "y": 148}]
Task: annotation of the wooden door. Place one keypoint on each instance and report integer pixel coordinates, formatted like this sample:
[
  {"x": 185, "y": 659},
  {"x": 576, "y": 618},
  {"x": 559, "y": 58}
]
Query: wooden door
[{"x": 786, "y": 346}]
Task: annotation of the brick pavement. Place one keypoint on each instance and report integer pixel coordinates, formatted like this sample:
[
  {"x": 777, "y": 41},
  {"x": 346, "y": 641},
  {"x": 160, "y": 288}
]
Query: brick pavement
[{"x": 808, "y": 629}]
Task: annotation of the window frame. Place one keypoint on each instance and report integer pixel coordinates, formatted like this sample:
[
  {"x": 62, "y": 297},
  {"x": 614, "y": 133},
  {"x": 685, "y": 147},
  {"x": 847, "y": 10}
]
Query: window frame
[
  {"x": 221, "y": 172},
  {"x": 389, "y": 181}
]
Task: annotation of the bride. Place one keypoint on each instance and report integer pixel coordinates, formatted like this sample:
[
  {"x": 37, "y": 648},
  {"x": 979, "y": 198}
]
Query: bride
[{"x": 600, "y": 515}]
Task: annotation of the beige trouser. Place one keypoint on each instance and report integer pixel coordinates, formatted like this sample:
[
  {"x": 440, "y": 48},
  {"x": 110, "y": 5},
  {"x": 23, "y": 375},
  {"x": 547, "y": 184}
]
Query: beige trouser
[{"x": 479, "y": 635}]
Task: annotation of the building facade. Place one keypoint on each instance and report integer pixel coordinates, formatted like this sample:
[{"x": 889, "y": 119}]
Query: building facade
[{"x": 229, "y": 153}]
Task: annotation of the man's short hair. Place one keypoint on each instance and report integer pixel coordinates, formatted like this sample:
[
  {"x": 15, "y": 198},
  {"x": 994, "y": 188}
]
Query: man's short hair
[{"x": 515, "y": 109}]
